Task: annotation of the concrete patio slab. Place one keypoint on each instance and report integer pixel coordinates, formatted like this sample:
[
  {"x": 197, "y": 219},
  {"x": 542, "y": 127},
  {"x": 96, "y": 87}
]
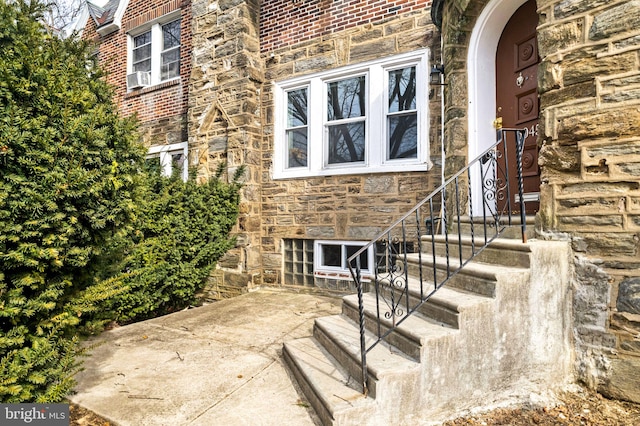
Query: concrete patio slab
[{"x": 218, "y": 364}]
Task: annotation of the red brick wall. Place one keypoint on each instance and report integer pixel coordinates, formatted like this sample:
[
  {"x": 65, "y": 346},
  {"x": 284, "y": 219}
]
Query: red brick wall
[
  {"x": 284, "y": 22},
  {"x": 152, "y": 103}
]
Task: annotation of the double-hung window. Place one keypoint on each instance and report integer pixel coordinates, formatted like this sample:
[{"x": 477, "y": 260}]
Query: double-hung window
[
  {"x": 169, "y": 159},
  {"x": 367, "y": 118},
  {"x": 154, "y": 50}
]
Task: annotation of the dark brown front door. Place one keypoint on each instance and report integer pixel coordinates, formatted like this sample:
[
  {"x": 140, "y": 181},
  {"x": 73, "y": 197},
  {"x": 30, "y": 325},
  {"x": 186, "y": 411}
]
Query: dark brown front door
[{"x": 517, "y": 98}]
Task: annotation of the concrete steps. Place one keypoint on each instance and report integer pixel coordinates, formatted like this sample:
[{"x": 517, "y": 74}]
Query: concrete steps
[{"x": 473, "y": 337}]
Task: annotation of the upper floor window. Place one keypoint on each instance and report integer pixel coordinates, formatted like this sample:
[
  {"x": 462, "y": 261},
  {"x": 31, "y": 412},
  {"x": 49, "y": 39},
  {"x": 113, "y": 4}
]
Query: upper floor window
[
  {"x": 360, "y": 119},
  {"x": 154, "y": 53}
]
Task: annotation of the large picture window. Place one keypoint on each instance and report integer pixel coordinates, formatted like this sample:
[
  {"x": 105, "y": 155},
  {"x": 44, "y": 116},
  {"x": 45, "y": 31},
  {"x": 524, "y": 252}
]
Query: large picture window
[
  {"x": 154, "y": 49},
  {"x": 360, "y": 119}
]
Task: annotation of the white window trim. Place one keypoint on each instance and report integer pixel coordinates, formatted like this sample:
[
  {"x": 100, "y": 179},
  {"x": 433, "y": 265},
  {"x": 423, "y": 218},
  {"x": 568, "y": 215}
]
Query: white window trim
[
  {"x": 165, "y": 151},
  {"x": 340, "y": 273},
  {"x": 156, "y": 46},
  {"x": 375, "y": 153}
]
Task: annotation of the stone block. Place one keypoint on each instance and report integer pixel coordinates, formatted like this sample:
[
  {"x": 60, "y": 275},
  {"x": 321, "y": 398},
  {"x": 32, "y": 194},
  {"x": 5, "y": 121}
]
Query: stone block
[
  {"x": 567, "y": 8},
  {"x": 567, "y": 94},
  {"x": 599, "y": 244},
  {"x": 607, "y": 123},
  {"x": 559, "y": 37},
  {"x": 320, "y": 232},
  {"x": 626, "y": 170},
  {"x": 272, "y": 261},
  {"x": 367, "y": 36},
  {"x": 315, "y": 64},
  {"x": 561, "y": 158},
  {"x": 611, "y": 22},
  {"x": 550, "y": 76},
  {"x": 629, "y": 296},
  {"x": 606, "y": 149},
  {"x": 582, "y": 223},
  {"x": 624, "y": 379},
  {"x": 385, "y": 184},
  {"x": 578, "y": 190},
  {"x": 368, "y": 51},
  {"x": 363, "y": 233}
]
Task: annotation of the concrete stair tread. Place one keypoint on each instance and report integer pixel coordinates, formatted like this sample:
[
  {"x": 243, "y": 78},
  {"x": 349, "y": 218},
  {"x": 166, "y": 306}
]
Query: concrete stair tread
[
  {"x": 416, "y": 327},
  {"x": 333, "y": 387},
  {"x": 453, "y": 299},
  {"x": 382, "y": 360},
  {"x": 479, "y": 269},
  {"x": 467, "y": 240}
]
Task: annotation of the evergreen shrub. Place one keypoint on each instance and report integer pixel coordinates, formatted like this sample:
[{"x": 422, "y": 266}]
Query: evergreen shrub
[
  {"x": 182, "y": 230},
  {"x": 69, "y": 167}
]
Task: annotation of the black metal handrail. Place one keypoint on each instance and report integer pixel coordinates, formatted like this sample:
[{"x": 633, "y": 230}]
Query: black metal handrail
[{"x": 399, "y": 248}]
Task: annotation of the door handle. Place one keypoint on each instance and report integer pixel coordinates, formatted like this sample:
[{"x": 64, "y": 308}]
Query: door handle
[{"x": 497, "y": 123}]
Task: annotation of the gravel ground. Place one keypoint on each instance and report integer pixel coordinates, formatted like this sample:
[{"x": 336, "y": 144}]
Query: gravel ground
[{"x": 579, "y": 408}]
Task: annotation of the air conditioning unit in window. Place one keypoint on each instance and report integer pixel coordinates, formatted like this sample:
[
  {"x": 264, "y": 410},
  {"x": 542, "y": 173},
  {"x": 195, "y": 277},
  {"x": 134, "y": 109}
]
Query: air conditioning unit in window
[{"x": 138, "y": 79}]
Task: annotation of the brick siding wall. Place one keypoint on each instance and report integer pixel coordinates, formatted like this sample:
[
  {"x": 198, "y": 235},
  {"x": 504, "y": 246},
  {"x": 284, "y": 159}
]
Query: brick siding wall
[
  {"x": 163, "y": 103},
  {"x": 286, "y": 22}
]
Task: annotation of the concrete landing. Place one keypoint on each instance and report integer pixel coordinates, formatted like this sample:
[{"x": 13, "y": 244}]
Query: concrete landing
[{"x": 219, "y": 364}]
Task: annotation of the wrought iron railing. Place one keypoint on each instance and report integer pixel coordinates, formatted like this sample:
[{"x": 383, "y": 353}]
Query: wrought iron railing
[{"x": 438, "y": 220}]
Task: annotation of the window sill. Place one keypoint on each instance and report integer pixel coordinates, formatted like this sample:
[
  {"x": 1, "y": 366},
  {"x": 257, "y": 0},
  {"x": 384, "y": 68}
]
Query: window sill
[
  {"x": 154, "y": 88},
  {"x": 352, "y": 170}
]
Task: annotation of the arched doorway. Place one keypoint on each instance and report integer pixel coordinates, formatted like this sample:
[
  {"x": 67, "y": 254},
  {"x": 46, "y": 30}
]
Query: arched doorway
[
  {"x": 517, "y": 97},
  {"x": 481, "y": 71}
]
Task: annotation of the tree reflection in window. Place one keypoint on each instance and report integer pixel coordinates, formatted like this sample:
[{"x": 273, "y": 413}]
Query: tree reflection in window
[
  {"x": 402, "y": 118},
  {"x": 297, "y": 128},
  {"x": 346, "y": 115},
  {"x": 170, "y": 57}
]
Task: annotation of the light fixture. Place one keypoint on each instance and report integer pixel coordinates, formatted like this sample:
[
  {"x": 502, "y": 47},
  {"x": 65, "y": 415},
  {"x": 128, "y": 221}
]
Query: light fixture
[{"x": 435, "y": 78}]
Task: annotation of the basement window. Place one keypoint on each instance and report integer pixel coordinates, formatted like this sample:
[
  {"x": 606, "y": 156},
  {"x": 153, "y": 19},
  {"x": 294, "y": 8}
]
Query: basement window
[{"x": 330, "y": 259}]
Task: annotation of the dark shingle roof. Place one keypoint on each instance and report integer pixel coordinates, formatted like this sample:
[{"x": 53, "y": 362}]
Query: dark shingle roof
[{"x": 103, "y": 15}]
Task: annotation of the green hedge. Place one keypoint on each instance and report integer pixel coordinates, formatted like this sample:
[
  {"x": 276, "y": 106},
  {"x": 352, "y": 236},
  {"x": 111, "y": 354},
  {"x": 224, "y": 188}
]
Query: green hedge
[{"x": 183, "y": 229}]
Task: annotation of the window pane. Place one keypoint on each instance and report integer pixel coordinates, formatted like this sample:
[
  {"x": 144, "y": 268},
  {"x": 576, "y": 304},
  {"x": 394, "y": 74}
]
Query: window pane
[
  {"x": 170, "y": 64},
  {"x": 171, "y": 35},
  {"x": 331, "y": 255},
  {"x": 178, "y": 161},
  {"x": 403, "y": 136},
  {"x": 141, "y": 53},
  {"x": 346, "y": 98},
  {"x": 346, "y": 143},
  {"x": 402, "y": 89},
  {"x": 296, "y": 133},
  {"x": 153, "y": 164},
  {"x": 142, "y": 39},
  {"x": 364, "y": 259},
  {"x": 297, "y": 145},
  {"x": 142, "y": 66},
  {"x": 297, "y": 108}
]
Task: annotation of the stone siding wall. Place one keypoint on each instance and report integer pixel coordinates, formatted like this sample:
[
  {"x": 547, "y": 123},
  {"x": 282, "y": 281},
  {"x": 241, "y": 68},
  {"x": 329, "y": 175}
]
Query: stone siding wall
[
  {"x": 589, "y": 84},
  {"x": 590, "y": 158},
  {"x": 352, "y": 207},
  {"x": 224, "y": 121},
  {"x": 161, "y": 108}
]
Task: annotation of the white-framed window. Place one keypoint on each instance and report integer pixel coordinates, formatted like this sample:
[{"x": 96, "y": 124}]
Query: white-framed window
[
  {"x": 365, "y": 118},
  {"x": 154, "y": 50},
  {"x": 330, "y": 258},
  {"x": 170, "y": 157}
]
